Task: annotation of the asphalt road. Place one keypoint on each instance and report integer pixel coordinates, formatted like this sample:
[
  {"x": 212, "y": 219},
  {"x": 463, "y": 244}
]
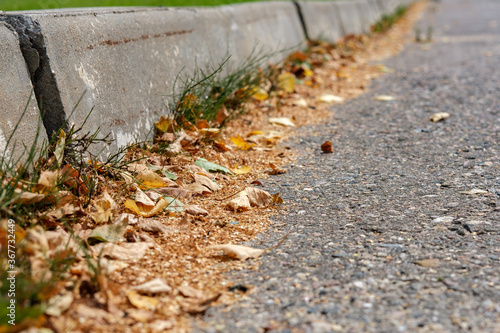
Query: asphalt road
[{"x": 392, "y": 194}]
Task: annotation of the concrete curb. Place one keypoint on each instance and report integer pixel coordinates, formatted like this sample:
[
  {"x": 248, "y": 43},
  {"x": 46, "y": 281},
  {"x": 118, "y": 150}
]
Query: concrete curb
[{"x": 123, "y": 62}]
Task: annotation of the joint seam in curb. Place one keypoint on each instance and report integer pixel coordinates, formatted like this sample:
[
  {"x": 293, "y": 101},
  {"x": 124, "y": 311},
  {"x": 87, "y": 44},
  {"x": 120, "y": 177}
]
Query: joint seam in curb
[{"x": 44, "y": 83}]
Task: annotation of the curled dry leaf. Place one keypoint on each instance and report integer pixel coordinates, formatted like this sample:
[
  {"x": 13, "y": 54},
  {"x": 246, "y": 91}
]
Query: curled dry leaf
[
  {"x": 175, "y": 192},
  {"x": 109, "y": 232},
  {"x": 277, "y": 200},
  {"x": 326, "y": 147},
  {"x": 283, "y": 121},
  {"x": 328, "y": 98},
  {"x": 210, "y": 132},
  {"x": 125, "y": 251},
  {"x": 155, "y": 286},
  {"x": 207, "y": 182},
  {"x": 150, "y": 179},
  {"x": 103, "y": 208},
  {"x": 222, "y": 115},
  {"x": 239, "y": 203},
  {"x": 27, "y": 198},
  {"x": 300, "y": 102},
  {"x": 142, "y": 302},
  {"x": 440, "y": 116},
  {"x": 258, "y": 197},
  {"x": 142, "y": 198},
  {"x": 146, "y": 211},
  {"x": 260, "y": 94},
  {"x": 198, "y": 189},
  {"x": 238, "y": 251},
  {"x": 154, "y": 226},
  {"x": 191, "y": 292},
  {"x": 196, "y": 210},
  {"x": 47, "y": 182}
]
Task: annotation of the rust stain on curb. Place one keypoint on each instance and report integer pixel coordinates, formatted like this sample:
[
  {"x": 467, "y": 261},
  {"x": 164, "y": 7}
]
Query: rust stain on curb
[{"x": 111, "y": 42}]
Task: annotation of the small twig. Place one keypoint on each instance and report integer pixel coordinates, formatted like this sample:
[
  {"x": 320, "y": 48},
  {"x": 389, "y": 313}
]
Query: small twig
[
  {"x": 279, "y": 243},
  {"x": 229, "y": 196}
]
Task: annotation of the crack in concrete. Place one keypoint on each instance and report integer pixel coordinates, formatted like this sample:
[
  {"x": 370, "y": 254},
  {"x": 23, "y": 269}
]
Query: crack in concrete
[{"x": 42, "y": 77}]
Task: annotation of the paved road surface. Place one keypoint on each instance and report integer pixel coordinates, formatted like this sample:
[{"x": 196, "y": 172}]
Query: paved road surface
[{"x": 390, "y": 195}]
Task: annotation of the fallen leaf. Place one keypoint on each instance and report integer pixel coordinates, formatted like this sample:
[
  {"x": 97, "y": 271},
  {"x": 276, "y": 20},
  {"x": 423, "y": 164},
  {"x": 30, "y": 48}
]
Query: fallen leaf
[
  {"x": 142, "y": 198},
  {"x": 258, "y": 197},
  {"x": 242, "y": 170},
  {"x": 27, "y": 198},
  {"x": 146, "y": 211},
  {"x": 196, "y": 210},
  {"x": 71, "y": 178},
  {"x": 198, "y": 189},
  {"x": 260, "y": 94},
  {"x": 257, "y": 182},
  {"x": 191, "y": 292},
  {"x": 47, "y": 182},
  {"x": 220, "y": 145},
  {"x": 174, "y": 205},
  {"x": 300, "y": 102},
  {"x": 155, "y": 286},
  {"x": 241, "y": 143},
  {"x": 239, "y": 203},
  {"x": 202, "y": 124},
  {"x": 286, "y": 82},
  {"x": 429, "y": 263},
  {"x": 297, "y": 56},
  {"x": 326, "y": 147},
  {"x": 154, "y": 226},
  {"x": 59, "y": 304},
  {"x": 277, "y": 200},
  {"x": 164, "y": 125},
  {"x": 210, "y": 132},
  {"x": 109, "y": 232},
  {"x": 238, "y": 251},
  {"x": 124, "y": 251},
  {"x": 222, "y": 115},
  {"x": 475, "y": 191},
  {"x": 328, "y": 98},
  {"x": 207, "y": 182},
  {"x": 160, "y": 326},
  {"x": 443, "y": 219},
  {"x": 210, "y": 166},
  {"x": 175, "y": 192},
  {"x": 281, "y": 121},
  {"x": 150, "y": 179},
  {"x": 163, "y": 170},
  {"x": 440, "y": 116},
  {"x": 141, "y": 315},
  {"x": 142, "y": 302},
  {"x": 384, "y": 98},
  {"x": 103, "y": 208}
]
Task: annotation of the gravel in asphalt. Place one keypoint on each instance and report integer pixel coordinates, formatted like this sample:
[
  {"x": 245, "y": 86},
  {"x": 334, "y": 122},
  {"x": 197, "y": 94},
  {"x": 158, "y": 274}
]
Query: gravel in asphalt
[{"x": 385, "y": 232}]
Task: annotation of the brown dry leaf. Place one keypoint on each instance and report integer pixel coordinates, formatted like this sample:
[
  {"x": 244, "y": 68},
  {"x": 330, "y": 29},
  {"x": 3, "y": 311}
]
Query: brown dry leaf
[
  {"x": 47, "y": 182},
  {"x": 59, "y": 304},
  {"x": 258, "y": 197},
  {"x": 222, "y": 115},
  {"x": 384, "y": 98},
  {"x": 429, "y": 263},
  {"x": 238, "y": 251},
  {"x": 210, "y": 132},
  {"x": 137, "y": 167},
  {"x": 195, "y": 210},
  {"x": 142, "y": 302},
  {"x": 207, "y": 182},
  {"x": 242, "y": 170},
  {"x": 440, "y": 116},
  {"x": 72, "y": 179},
  {"x": 141, "y": 315},
  {"x": 154, "y": 226},
  {"x": 283, "y": 121},
  {"x": 27, "y": 198},
  {"x": 326, "y": 147},
  {"x": 146, "y": 211},
  {"x": 149, "y": 179},
  {"x": 202, "y": 124},
  {"x": 198, "y": 189},
  {"x": 175, "y": 192},
  {"x": 277, "y": 200},
  {"x": 142, "y": 198},
  {"x": 241, "y": 143},
  {"x": 239, "y": 203},
  {"x": 328, "y": 98},
  {"x": 125, "y": 251},
  {"x": 103, "y": 208},
  {"x": 155, "y": 286},
  {"x": 191, "y": 292},
  {"x": 220, "y": 145}
]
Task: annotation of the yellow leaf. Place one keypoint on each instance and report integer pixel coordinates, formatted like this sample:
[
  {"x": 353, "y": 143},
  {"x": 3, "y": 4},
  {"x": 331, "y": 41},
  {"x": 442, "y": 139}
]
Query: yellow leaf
[
  {"x": 103, "y": 209},
  {"x": 242, "y": 170},
  {"x": 150, "y": 179},
  {"x": 254, "y": 133},
  {"x": 146, "y": 211},
  {"x": 142, "y": 302},
  {"x": 260, "y": 94},
  {"x": 240, "y": 142},
  {"x": 308, "y": 72},
  {"x": 286, "y": 81},
  {"x": 164, "y": 124}
]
